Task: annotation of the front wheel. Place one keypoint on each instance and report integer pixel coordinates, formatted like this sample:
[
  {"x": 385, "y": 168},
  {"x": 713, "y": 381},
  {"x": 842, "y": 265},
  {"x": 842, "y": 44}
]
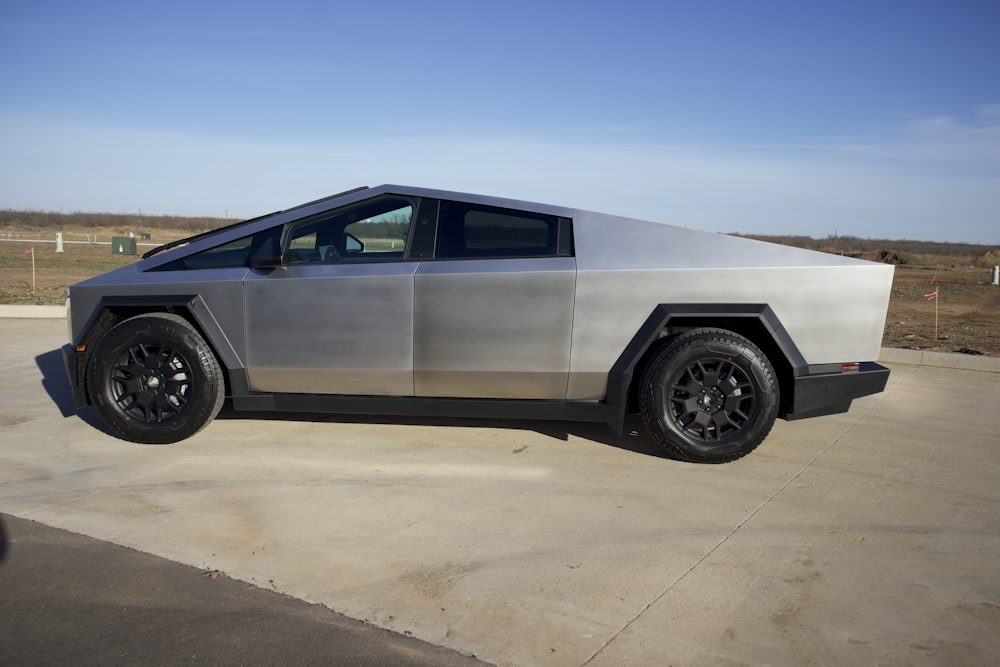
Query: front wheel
[
  {"x": 154, "y": 379},
  {"x": 709, "y": 396}
]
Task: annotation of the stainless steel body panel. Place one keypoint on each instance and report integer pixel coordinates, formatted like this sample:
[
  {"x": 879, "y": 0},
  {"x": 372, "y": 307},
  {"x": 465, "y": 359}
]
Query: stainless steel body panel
[
  {"x": 833, "y": 307},
  {"x": 612, "y": 305},
  {"x": 493, "y": 328},
  {"x": 331, "y": 329}
]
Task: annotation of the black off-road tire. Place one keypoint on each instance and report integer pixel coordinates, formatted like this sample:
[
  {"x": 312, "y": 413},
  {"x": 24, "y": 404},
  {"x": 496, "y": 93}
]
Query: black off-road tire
[
  {"x": 709, "y": 396},
  {"x": 154, "y": 379}
]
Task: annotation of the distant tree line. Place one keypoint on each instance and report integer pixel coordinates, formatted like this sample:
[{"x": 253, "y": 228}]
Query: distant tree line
[
  {"x": 48, "y": 220},
  {"x": 385, "y": 230},
  {"x": 396, "y": 229},
  {"x": 858, "y": 247}
]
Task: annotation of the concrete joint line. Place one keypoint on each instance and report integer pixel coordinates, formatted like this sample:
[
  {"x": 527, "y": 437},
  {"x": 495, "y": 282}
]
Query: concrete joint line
[
  {"x": 54, "y": 506},
  {"x": 740, "y": 525},
  {"x": 99, "y": 492}
]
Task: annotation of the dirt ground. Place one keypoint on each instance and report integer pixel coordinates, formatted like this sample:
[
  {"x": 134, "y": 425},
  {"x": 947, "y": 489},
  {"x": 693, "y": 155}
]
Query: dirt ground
[{"x": 968, "y": 307}]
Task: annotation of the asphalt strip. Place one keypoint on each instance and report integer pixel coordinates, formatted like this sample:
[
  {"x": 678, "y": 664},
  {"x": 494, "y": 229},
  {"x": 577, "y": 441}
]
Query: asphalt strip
[{"x": 70, "y": 599}]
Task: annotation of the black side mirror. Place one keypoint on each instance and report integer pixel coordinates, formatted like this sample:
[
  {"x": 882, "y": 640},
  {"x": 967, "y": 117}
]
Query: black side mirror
[
  {"x": 352, "y": 244},
  {"x": 267, "y": 256},
  {"x": 265, "y": 261}
]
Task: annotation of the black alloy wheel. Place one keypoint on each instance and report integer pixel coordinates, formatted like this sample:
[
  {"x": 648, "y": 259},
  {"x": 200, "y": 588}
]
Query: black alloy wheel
[
  {"x": 154, "y": 380},
  {"x": 709, "y": 396}
]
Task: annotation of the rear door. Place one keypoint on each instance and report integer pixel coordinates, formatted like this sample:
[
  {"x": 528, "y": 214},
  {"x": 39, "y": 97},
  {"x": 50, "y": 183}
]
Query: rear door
[{"x": 493, "y": 311}]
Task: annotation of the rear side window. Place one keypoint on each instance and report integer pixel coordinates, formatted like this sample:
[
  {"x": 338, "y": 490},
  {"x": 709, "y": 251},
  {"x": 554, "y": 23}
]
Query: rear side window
[{"x": 476, "y": 231}]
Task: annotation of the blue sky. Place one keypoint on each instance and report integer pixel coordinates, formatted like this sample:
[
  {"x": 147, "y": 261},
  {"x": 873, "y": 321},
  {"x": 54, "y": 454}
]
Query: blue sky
[{"x": 875, "y": 119}]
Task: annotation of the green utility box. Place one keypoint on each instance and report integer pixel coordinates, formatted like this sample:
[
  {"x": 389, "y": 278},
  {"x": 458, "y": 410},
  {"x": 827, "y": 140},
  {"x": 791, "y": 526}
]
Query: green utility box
[{"x": 122, "y": 245}]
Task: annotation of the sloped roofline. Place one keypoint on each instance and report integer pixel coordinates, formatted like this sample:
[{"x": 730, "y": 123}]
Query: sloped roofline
[{"x": 365, "y": 192}]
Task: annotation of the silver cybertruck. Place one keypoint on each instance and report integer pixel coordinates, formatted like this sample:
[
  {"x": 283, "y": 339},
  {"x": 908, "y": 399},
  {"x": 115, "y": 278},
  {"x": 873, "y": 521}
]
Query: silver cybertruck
[{"x": 406, "y": 301}]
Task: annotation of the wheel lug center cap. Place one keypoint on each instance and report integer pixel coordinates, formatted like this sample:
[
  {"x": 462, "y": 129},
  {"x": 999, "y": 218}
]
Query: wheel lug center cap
[
  {"x": 708, "y": 400},
  {"x": 153, "y": 382}
]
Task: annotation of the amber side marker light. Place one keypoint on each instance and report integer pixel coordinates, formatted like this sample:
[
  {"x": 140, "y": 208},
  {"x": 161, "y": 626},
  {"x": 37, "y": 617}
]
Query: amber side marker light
[
  {"x": 845, "y": 368},
  {"x": 80, "y": 349}
]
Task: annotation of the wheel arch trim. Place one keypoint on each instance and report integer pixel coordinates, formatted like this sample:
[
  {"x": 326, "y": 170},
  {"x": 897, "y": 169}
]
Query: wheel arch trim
[
  {"x": 622, "y": 372},
  {"x": 203, "y": 319}
]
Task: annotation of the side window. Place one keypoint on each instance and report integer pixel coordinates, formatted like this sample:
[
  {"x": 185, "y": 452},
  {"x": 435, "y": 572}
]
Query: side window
[
  {"x": 476, "y": 231},
  {"x": 383, "y": 235},
  {"x": 228, "y": 255},
  {"x": 374, "y": 230}
]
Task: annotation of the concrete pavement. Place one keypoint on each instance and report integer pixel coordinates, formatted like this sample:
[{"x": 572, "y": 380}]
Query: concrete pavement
[{"x": 869, "y": 537}]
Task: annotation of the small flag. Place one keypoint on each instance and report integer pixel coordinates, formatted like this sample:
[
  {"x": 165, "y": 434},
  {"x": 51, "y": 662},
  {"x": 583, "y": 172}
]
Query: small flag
[
  {"x": 931, "y": 296},
  {"x": 30, "y": 251}
]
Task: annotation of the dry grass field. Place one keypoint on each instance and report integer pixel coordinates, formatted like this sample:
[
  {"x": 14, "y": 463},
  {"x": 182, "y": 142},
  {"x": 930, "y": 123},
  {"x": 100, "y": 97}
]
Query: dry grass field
[
  {"x": 968, "y": 310},
  {"x": 54, "y": 272}
]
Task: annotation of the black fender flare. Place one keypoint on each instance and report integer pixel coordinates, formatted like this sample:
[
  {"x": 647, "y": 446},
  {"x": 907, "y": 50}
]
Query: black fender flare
[
  {"x": 194, "y": 305},
  {"x": 621, "y": 374}
]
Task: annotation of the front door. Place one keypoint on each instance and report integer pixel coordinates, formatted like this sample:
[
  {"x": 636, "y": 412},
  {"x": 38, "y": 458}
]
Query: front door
[{"x": 337, "y": 316}]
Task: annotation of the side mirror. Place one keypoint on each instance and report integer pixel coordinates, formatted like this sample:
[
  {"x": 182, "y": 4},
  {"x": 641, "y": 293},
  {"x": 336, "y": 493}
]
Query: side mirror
[
  {"x": 265, "y": 261},
  {"x": 352, "y": 244},
  {"x": 267, "y": 256}
]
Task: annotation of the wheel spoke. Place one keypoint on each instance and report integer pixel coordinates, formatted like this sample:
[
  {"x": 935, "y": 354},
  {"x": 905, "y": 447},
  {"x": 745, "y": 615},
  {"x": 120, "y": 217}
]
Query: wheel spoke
[
  {"x": 684, "y": 382},
  {"x": 722, "y": 421},
  {"x": 165, "y": 357},
  {"x": 702, "y": 419},
  {"x": 176, "y": 374},
  {"x": 689, "y": 405},
  {"x": 733, "y": 403},
  {"x": 127, "y": 402},
  {"x": 163, "y": 405},
  {"x": 177, "y": 399},
  {"x": 144, "y": 357}
]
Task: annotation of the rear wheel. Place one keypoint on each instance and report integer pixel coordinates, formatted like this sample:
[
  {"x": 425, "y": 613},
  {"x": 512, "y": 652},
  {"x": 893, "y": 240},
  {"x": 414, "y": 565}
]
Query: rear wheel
[
  {"x": 154, "y": 379},
  {"x": 709, "y": 396}
]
